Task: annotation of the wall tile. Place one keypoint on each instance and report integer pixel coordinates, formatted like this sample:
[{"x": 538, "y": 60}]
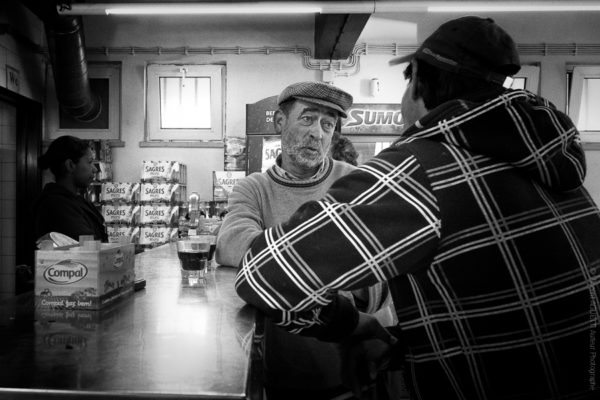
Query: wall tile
[
  {"x": 8, "y": 246},
  {"x": 7, "y": 285},
  {"x": 8, "y": 172},
  {"x": 7, "y": 228},
  {"x": 8, "y": 155},
  {"x": 7, "y": 265},
  {"x": 9, "y": 208},
  {"x": 9, "y": 191},
  {"x": 3, "y": 51},
  {"x": 3, "y": 75},
  {"x": 10, "y": 120}
]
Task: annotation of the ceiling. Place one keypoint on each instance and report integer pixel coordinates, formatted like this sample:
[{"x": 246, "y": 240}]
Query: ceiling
[{"x": 335, "y": 35}]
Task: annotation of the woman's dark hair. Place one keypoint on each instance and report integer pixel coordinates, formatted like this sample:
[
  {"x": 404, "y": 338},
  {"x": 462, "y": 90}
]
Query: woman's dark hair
[
  {"x": 436, "y": 86},
  {"x": 62, "y": 149},
  {"x": 342, "y": 149}
]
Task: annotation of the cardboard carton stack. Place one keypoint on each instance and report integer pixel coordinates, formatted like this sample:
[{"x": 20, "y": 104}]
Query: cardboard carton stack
[
  {"x": 162, "y": 191},
  {"x": 121, "y": 210}
]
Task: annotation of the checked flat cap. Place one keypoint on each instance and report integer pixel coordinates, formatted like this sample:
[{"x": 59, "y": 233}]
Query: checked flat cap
[{"x": 318, "y": 93}]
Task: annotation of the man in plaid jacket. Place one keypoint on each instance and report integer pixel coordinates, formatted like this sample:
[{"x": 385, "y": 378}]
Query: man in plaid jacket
[{"x": 477, "y": 219}]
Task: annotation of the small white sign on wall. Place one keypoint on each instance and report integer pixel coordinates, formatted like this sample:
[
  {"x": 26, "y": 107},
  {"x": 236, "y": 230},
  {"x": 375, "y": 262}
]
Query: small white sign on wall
[{"x": 12, "y": 79}]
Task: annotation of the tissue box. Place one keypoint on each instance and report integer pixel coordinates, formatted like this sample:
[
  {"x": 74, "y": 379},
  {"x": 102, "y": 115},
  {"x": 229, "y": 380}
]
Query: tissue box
[{"x": 82, "y": 279}]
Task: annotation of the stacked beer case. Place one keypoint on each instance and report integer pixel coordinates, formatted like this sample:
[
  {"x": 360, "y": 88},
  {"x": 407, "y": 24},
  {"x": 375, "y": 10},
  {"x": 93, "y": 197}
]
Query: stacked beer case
[
  {"x": 163, "y": 190},
  {"x": 121, "y": 210},
  {"x": 147, "y": 211},
  {"x": 116, "y": 201}
]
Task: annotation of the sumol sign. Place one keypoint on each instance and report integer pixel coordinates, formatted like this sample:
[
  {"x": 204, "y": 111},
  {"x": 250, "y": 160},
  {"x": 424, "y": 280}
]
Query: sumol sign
[
  {"x": 65, "y": 272},
  {"x": 373, "y": 119}
]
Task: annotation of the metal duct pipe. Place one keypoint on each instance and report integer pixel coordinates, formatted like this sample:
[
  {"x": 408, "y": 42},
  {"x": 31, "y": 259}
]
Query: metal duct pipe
[{"x": 67, "y": 53}]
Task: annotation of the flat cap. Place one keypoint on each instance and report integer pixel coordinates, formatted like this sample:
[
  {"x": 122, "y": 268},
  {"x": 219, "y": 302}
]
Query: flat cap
[{"x": 318, "y": 93}]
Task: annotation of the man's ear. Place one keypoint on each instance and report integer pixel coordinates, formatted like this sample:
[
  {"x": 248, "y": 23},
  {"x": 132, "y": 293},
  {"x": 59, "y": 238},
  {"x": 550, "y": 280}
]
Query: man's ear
[
  {"x": 69, "y": 165},
  {"x": 279, "y": 121},
  {"x": 415, "y": 87}
]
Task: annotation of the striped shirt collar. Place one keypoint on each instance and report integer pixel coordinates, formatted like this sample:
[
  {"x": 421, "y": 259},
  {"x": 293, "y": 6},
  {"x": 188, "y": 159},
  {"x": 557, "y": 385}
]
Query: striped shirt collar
[{"x": 282, "y": 174}]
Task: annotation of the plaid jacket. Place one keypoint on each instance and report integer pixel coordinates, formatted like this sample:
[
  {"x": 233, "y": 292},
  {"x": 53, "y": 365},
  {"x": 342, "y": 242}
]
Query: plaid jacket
[{"x": 478, "y": 221}]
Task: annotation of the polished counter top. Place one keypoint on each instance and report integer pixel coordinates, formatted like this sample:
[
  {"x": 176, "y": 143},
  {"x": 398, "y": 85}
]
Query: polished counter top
[{"x": 165, "y": 341}]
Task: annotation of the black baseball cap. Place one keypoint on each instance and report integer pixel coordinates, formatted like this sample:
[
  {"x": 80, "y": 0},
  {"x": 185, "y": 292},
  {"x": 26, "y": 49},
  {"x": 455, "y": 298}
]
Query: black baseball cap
[{"x": 470, "y": 46}]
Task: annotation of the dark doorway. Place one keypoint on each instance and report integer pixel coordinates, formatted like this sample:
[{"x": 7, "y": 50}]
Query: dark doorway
[{"x": 21, "y": 183}]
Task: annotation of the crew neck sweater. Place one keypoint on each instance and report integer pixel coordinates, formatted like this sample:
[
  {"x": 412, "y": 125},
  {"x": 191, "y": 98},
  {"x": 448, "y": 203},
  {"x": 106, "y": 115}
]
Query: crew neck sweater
[{"x": 262, "y": 200}]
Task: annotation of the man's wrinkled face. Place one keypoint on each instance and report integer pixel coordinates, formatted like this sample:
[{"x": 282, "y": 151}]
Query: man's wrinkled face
[{"x": 306, "y": 134}]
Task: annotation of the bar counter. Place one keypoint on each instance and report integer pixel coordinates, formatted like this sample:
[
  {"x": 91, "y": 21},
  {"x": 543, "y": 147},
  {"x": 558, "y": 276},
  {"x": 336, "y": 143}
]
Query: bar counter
[{"x": 162, "y": 342}]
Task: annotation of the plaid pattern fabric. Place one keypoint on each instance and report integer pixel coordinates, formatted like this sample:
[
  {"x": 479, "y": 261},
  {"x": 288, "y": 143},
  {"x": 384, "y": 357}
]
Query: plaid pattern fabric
[{"x": 478, "y": 221}]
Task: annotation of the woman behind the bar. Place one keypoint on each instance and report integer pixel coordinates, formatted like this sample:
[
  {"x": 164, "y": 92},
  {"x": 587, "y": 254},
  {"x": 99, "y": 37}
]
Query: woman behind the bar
[{"x": 60, "y": 207}]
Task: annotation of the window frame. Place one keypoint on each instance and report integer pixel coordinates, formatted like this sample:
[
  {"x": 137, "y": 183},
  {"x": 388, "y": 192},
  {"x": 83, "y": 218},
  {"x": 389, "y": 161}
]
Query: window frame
[
  {"x": 155, "y": 135},
  {"x": 578, "y": 74}
]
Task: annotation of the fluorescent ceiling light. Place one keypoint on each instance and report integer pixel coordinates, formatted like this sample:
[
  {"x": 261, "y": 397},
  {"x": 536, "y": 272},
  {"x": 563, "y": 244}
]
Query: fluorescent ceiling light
[
  {"x": 324, "y": 7},
  {"x": 512, "y": 6},
  {"x": 224, "y": 8},
  {"x": 261, "y": 7}
]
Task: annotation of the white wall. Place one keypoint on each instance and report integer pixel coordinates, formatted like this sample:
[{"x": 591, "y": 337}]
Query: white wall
[
  {"x": 253, "y": 77},
  {"x": 249, "y": 78}
]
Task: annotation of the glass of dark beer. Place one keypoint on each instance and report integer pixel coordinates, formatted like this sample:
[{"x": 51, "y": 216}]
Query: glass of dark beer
[
  {"x": 193, "y": 259},
  {"x": 212, "y": 241}
]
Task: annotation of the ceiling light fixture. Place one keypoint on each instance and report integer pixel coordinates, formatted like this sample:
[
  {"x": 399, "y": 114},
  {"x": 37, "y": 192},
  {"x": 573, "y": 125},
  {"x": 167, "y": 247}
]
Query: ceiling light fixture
[
  {"x": 133, "y": 9},
  {"x": 512, "y": 6},
  {"x": 324, "y": 7}
]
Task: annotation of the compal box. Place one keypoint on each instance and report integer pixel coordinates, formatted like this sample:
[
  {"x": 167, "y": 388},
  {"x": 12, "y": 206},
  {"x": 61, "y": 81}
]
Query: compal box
[{"x": 78, "y": 278}]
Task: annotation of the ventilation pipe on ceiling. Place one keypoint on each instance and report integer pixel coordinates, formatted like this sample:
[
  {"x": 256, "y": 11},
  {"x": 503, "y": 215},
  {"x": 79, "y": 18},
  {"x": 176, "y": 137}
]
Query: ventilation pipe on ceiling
[{"x": 66, "y": 46}]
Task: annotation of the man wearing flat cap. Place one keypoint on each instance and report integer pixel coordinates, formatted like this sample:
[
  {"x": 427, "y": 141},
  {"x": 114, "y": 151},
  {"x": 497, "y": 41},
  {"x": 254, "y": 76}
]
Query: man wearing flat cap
[
  {"x": 296, "y": 367},
  {"x": 477, "y": 219}
]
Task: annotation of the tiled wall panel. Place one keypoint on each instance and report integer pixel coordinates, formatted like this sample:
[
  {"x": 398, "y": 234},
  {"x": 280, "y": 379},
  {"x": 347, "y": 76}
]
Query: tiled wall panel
[{"x": 8, "y": 203}]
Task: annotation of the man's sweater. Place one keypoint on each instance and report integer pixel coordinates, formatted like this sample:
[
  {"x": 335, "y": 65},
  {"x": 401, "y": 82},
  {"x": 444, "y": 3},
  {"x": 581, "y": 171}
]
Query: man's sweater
[{"x": 262, "y": 200}]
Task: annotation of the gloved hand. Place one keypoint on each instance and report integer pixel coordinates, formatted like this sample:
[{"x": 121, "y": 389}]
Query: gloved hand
[{"x": 366, "y": 352}]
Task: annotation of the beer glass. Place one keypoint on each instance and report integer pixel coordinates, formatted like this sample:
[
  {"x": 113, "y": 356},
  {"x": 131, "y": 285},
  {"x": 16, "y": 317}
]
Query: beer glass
[
  {"x": 211, "y": 240},
  {"x": 193, "y": 259}
]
